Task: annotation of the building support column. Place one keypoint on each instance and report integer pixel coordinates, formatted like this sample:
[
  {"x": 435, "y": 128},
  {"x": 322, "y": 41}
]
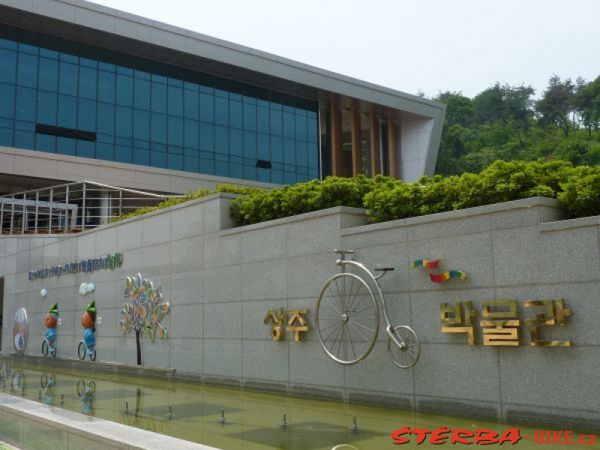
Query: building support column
[
  {"x": 356, "y": 141},
  {"x": 337, "y": 161},
  {"x": 392, "y": 147},
  {"x": 105, "y": 208},
  {"x": 374, "y": 138}
]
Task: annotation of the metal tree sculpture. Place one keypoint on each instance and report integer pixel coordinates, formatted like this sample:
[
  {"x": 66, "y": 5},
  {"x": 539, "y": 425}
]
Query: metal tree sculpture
[{"x": 143, "y": 311}]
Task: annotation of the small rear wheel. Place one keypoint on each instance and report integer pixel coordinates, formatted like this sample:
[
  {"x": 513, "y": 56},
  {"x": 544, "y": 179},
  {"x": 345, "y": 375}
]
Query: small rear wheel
[
  {"x": 93, "y": 354},
  {"x": 53, "y": 351},
  {"x": 347, "y": 318},
  {"x": 407, "y": 354},
  {"x": 81, "y": 351},
  {"x": 45, "y": 347}
]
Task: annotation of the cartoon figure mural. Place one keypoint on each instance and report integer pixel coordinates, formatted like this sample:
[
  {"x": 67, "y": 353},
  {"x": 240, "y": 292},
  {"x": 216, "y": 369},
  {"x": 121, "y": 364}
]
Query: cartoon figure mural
[
  {"x": 51, "y": 321},
  {"x": 87, "y": 394},
  {"x": 87, "y": 346},
  {"x": 47, "y": 392}
]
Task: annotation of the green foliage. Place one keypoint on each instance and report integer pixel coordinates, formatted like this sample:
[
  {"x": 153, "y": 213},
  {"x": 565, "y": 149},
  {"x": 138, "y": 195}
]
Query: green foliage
[
  {"x": 394, "y": 201},
  {"x": 504, "y": 122},
  {"x": 172, "y": 201},
  {"x": 505, "y": 181},
  {"x": 303, "y": 197},
  {"x": 581, "y": 192},
  {"x": 200, "y": 193},
  {"x": 385, "y": 198},
  {"x": 588, "y": 103},
  {"x": 238, "y": 190},
  {"x": 389, "y": 199},
  {"x": 557, "y": 103},
  {"x": 500, "y": 182}
]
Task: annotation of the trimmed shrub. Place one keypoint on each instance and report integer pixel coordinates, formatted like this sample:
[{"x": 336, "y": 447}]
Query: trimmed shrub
[
  {"x": 505, "y": 181},
  {"x": 581, "y": 192},
  {"x": 397, "y": 201},
  {"x": 303, "y": 197},
  {"x": 200, "y": 193},
  {"x": 385, "y": 198}
]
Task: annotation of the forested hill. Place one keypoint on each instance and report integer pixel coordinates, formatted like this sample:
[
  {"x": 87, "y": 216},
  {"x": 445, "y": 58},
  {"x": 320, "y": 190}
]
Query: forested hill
[{"x": 508, "y": 123}]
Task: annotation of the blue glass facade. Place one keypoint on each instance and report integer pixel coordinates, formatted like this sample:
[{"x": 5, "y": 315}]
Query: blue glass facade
[{"x": 103, "y": 105}]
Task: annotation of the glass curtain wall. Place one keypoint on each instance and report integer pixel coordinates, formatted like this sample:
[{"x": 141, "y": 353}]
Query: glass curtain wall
[{"x": 141, "y": 112}]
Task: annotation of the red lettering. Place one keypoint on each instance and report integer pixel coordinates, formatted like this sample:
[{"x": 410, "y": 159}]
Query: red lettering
[
  {"x": 421, "y": 434},
  {"x": 439, "y": 436},
  {"x": 459, "y": 435},
  {"x": 556, "y": 437},
  {"x": 512, "y": 435},
  {"x": 398, "y": 438},
  {"x": 591, "y": 439},
  {"x": 486, "y": 437},
  {"x": 538, "y": 437},
  {"x": 568, "y": 436}
]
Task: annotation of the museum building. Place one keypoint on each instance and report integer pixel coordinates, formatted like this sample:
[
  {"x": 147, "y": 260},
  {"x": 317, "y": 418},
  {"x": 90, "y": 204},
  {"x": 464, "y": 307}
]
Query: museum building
[{"x": 92, "y": 93}]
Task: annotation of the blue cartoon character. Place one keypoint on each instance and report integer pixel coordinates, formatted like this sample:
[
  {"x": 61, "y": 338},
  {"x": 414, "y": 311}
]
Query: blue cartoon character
[
  {"x": 88, "y": 345},
  {"x": 51, "y": 321}
]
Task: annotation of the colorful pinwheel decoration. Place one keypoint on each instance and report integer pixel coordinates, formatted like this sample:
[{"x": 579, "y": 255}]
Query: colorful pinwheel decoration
[
  {"x": 143, "y": 311},
  {"x": 439, "y": 277}
]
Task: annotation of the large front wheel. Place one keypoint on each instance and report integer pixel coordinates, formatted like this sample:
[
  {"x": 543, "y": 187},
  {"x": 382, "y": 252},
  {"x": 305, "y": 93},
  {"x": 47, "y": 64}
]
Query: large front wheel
[
  {"x": 45, "y": 347},
  {"x": 407, "y": 353},
  {"x": 347, "y": 318}
]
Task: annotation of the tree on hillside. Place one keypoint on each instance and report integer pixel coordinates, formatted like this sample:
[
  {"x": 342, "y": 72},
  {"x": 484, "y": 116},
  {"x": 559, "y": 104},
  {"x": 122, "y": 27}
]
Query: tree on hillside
[
  {"x": 488, "y": 105},
  {"x": 588, "y": 103},
  {"x": 504, "y": 122},
  {"x": 459, "y": 109},
  {"x": 455, "y": 134},
  {"x": 518, "y": 107},
  {"x": 557, "y": 104},
  {"x": 507, "y": 104}
]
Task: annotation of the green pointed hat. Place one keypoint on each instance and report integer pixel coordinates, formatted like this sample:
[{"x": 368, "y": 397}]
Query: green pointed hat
[
  {"x": 54, "y": 309},
  {"x": 91, "y": 308}
]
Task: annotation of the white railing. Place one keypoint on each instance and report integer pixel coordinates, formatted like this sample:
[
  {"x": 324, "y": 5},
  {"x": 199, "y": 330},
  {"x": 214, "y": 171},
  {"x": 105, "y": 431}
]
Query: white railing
[{"x": 69, "y": 208}]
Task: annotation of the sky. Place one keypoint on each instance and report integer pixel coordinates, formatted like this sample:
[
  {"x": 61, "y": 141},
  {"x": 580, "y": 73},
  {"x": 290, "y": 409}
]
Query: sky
[{"x": 408, "y": 45}]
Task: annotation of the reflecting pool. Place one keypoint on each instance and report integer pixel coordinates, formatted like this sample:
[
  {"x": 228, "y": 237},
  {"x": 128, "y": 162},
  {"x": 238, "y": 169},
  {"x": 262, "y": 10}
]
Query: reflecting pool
[{"x": 233, "y": 419}]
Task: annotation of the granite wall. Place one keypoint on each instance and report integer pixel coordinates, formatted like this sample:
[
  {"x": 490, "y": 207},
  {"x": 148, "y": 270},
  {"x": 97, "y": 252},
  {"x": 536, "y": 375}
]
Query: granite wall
[{"x": 221, "y": 281}]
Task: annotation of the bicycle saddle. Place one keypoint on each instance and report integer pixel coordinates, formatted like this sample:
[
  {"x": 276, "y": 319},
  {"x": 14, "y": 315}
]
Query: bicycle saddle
[
  {"x": 341, "y": 252},
  {"x": 383, "y": 269}
]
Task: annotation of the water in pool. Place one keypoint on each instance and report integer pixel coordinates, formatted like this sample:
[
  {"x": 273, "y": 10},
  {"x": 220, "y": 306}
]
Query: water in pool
[{"x": 251, "y": 420}]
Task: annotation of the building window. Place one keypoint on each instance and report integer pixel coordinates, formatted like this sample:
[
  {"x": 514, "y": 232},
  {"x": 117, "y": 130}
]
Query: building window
[{"x": 149, "y": 113}]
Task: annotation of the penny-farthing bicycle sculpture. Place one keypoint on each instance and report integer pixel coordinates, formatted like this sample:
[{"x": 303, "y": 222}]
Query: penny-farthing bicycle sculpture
[{"x": 347, "y": 317}]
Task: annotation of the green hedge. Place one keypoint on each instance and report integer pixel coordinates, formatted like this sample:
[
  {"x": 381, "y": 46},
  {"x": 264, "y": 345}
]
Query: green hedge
[
  {"x": 578, "y": 190},
  {"x": 230, "y": 188},
  {"x": 385, "y": 198},
  {"x": 302, "y": 197},
  {"x": 580, "y": 193}
]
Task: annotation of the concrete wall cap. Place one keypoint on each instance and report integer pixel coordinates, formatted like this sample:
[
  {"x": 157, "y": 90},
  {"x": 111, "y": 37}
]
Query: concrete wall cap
[
  {"x": 93, "y": 428},
  {"x": 297, "y": 218},
  {"x": 189, "y": 204},
  {"x": 453, "y": 215},
  {"x": 568, "y": 224}
]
